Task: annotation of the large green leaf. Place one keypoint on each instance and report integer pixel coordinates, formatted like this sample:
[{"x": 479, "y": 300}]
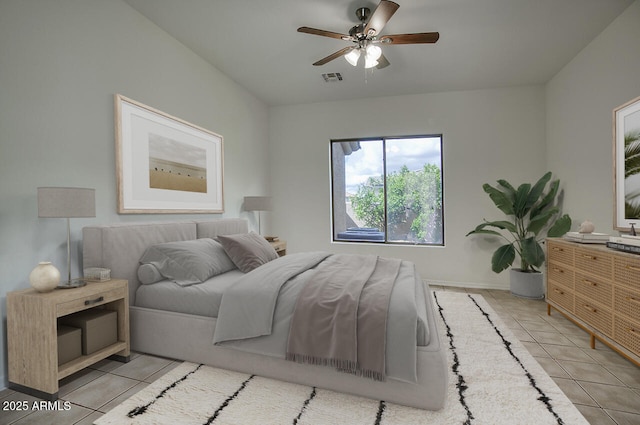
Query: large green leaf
[
  {"x": 499, "y": 198},
  {"x": 520, "y": 203},
  {"x": 537, "y": 189},
  {"x": 500, "y": 224},
  {"x": 510, "y": 191},
  {"x": 503, "y": 258},
  {"x": 548, "y": 199},
  {"x": 560, "y": 227},
  {"x": 532, "y": 252},
  {"x": 537, "y": 223},
  {"x": 483, "y": 232}
]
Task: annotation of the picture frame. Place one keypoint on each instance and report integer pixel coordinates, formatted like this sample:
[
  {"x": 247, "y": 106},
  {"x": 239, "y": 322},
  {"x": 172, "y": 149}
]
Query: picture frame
[
  {"x": 626, "y": 165},
  {"x": 165, "y": 165}
]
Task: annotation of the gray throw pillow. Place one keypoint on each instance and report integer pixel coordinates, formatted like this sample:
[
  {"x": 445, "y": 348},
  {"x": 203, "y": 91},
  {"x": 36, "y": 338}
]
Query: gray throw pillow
[
  {"x": 248, "y": 250},
  {"x": 188, "y": 262}
]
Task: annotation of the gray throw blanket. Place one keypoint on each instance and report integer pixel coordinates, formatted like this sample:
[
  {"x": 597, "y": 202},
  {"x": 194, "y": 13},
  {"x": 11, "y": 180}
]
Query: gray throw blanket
[
  {"x": 256, "y": 312},
  {"x": 340, "y": 317}
]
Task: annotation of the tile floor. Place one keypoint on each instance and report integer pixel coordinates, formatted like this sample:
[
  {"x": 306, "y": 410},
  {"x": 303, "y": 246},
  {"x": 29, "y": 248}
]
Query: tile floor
[{"x": 604, "y": 386}]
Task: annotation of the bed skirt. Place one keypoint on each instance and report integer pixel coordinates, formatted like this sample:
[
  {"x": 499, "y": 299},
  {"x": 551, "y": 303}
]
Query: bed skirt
[{"x": 187, "y": 337}]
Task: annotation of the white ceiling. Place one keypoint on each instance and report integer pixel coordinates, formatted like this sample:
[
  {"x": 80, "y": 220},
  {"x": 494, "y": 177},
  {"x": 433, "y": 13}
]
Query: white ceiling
[{"x": 483, "y": 43}]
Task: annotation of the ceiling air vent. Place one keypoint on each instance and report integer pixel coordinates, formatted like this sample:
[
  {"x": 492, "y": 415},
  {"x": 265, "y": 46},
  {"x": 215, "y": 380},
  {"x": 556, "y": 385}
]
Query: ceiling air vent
[{"x": 332, "y": 77}]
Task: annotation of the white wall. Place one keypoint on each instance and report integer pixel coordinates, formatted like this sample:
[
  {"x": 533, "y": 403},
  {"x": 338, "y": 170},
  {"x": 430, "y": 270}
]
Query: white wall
[
  {"x": 60, "y": 64},
  {"x": 487, "y": 135},
  {"x": 580, "y": 101}
]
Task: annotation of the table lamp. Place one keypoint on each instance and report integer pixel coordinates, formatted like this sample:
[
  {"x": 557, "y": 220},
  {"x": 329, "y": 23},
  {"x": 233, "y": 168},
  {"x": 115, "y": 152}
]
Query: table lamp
[
  {"x": 257, "y": 203},
  {"x": 67, "y": 202}
]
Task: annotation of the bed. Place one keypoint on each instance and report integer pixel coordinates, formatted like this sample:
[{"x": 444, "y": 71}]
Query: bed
[{"x": 181, "y": 321}]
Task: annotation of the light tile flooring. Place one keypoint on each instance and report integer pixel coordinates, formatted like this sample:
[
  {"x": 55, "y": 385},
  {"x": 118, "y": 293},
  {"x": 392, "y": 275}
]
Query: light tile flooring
[{"x": 604, "y": 386}]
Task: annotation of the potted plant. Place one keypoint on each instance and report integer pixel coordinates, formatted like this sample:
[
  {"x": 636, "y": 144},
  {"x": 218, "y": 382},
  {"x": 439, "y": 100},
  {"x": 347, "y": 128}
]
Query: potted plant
[{"x": 531, "y": 211}]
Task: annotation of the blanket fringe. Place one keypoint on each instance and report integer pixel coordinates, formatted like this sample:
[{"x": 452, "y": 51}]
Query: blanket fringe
[{"x": 347, "y": 366}]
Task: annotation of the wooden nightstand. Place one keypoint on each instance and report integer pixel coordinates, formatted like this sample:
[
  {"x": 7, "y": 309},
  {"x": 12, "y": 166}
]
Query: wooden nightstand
[
  {"x": 280, "y": 247},
  {"x": 32, "y": 335}
]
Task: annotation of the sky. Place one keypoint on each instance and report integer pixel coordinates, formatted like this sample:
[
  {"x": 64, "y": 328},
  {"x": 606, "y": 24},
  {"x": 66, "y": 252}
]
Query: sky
[
  {"x": 171, "y": 150},
  {"x": 367, "y": 162}
]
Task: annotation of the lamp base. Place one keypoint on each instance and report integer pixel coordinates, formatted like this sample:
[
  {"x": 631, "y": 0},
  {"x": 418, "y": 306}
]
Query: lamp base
[{"x": 73, "y": 283}]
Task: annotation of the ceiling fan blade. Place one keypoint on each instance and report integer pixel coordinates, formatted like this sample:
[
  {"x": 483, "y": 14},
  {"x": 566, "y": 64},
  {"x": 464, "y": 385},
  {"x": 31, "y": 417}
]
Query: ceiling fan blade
[
  {"x": 422, "y": 37},
  {"x": 314, "y": 31},
  {"x": 333, "y": 56},
  {"x": 382, "y": 62},
  {"x": 379, "y": 18}
]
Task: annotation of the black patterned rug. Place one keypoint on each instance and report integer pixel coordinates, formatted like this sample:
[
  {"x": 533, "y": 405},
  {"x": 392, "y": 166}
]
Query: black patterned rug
[{"x": 493, "y": 380}]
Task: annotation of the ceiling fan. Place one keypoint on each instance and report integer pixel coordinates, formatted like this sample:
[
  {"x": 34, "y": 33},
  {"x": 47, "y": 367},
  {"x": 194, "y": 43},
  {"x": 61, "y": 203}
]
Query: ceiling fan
[{"x": 366, "y": 37}]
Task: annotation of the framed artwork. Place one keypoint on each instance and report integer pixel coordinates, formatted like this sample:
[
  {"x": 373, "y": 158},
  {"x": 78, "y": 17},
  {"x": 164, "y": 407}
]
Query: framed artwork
[
  {"x": 165, "y": 165},
  {"x": 626, "y": 166}
]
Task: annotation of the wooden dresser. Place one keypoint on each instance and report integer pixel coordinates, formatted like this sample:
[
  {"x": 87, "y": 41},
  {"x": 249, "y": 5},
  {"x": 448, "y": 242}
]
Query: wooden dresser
[{"x": 598, "y": 289}]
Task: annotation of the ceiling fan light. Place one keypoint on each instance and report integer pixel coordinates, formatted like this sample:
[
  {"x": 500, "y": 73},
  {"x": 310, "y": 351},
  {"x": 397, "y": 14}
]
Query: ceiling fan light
[
  {"x": 370, "y": 63},
  {"x": 353, "y": 56},
  {"x": 374, "y": 52}
]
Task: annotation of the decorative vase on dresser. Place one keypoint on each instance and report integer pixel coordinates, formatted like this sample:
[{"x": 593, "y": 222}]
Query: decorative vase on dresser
[
  {"x": 597, "y": 288},
  {"x": 44, "y": 277}
]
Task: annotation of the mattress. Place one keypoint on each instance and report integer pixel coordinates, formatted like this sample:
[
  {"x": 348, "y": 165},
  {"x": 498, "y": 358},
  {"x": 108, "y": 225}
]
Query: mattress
[{"x": 202, "y": 299}]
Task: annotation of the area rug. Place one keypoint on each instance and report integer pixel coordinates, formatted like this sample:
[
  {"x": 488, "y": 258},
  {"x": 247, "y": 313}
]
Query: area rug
[{"x": 492, "y": 380}]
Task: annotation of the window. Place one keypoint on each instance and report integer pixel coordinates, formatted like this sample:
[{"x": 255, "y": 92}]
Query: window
[{"x": 388, "y": 190}]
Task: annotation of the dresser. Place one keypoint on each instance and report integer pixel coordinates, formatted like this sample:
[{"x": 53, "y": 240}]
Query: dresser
[{"x": 598, "y": 289}]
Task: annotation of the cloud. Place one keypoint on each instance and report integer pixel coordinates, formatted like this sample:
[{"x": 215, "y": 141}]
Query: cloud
[
  {"x": 171, "y": 150},
  {"x": 368, "y": 161}
]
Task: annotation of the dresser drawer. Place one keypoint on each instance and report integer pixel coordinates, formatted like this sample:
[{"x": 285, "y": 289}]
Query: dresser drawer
[
  {"x": 561, "y": 296},
  {"x": 594, "y": 288},
  {"x": 627, "y": 302},
  {"x": 595, "y": 315},
  {"x": 560, "y": 274},
  {"x": 594, "y": 262},
  {"x": 627, "y": 271},
  {"x": 88, "y": 301},
  {"x": 562, "y": 253},
  {"x": 627, "y": 334}
]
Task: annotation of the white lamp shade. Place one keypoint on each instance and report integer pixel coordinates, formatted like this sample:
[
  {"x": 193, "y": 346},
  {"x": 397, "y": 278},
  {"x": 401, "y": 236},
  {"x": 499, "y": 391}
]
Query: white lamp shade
[
  {"x": 374, "y": 52},
  {"x": 353, "y": 56},
  {"x": 372, "y": 55},
  {"x": 257, "y": 203},
  {"x": 66, "y": 202}
]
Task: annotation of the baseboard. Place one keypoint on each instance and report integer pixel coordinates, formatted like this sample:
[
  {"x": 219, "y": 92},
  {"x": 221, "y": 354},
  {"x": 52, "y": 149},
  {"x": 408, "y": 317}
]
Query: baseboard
[{"x": 474, "y": 285}]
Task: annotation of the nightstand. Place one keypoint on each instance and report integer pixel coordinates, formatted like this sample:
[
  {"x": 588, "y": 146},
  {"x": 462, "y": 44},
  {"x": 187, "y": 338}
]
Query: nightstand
[
  {"x": 280, "y": 247},
  {"x": 32, "y": 333}
]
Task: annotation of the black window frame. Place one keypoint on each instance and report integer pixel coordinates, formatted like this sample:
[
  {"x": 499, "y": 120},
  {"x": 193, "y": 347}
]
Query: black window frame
[{"x": 385, "y": 231}]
